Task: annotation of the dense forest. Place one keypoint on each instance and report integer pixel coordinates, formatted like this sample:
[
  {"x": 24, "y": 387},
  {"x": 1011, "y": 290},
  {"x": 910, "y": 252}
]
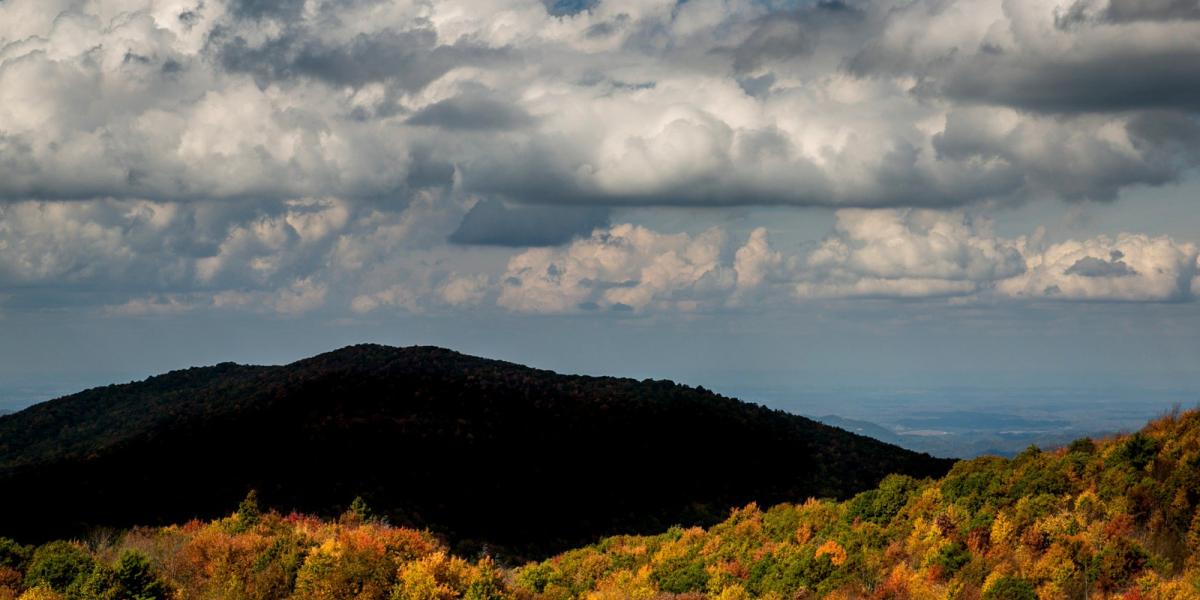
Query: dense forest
[
  {"x": 1104, "y": 519},
  {"x": 485, "y": 453}
]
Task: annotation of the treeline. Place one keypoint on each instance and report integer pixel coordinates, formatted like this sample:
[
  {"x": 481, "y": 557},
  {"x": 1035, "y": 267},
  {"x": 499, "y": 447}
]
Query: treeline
[
  {"x": 1105, "y": 519},
  {"x": 251, "y": 555}
]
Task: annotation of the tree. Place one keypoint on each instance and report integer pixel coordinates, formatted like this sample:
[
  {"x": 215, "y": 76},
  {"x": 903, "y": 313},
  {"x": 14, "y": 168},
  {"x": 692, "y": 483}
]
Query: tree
[
  {"x": 358, "y": 512},
  {"x": 248, "y": 511},
  {"x": 59, "y": 566},
  {"x": 13, "y": 555},
  {"x": 137, "y": 580},
  {"x": 1010, "y": 588}
]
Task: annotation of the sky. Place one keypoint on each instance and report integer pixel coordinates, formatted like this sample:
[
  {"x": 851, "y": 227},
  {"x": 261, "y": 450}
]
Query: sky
[{"x": 747, "y": 195}]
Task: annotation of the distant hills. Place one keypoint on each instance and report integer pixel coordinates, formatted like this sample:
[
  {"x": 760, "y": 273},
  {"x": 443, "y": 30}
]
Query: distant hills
[
  {"x": 966, "y": 435},
  {"x": 483, "y": 452}
]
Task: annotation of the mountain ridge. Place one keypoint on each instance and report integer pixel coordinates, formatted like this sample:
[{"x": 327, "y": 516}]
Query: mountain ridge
[{"x": 468, "y": 446}]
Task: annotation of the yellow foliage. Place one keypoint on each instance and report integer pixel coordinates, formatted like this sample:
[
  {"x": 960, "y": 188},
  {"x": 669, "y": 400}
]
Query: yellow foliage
[
  {"x": 419, "y": 581},
  {"x": 837, "y": 554},
  {"x": 733, "y": 592},
  {"x": 1052, "y": 591},
  {"x": 41, "y": 593},
  {"x": 804, "y": 534},
  {"x": 624, "y": 585},
  {"x": 903, "y": 582},
  {"x": 1055, "y": 565},
  {"x": 1153, "y": 587},
  {"x": 1002, "y": 530},
  {"x": 434, "y": 577}
]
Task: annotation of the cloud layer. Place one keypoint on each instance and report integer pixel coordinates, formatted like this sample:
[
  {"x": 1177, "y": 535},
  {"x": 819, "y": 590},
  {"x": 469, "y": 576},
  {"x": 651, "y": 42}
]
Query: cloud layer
[
  {"x": 883, "y": 253},
  {"x": 866, "y": 103},
  {"x": 128, "y": 258},
  {"x": 362, "y": 156}
]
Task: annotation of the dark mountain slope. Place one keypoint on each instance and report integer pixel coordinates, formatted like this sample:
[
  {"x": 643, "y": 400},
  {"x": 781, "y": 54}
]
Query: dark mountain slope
[{"x": 482, "y": 451}]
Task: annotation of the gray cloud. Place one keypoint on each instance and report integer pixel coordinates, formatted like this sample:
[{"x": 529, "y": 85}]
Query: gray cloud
[
  {"x": 491, "y": 222},
  {"x": 471, "y": 112},
  {"x": 409, "y": 59},
  {"x": 256, "y": 9},
  {"x": 1138, "y": 10},
  {"x": 1090, "y": 266},
  {"x": 871, "y": 104},
  {"x": 1153, "y": 80}
]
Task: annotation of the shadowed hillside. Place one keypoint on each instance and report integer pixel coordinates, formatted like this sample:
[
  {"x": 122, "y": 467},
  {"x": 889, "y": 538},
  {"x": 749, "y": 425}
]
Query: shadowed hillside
[{"x": 482, "y": 451}]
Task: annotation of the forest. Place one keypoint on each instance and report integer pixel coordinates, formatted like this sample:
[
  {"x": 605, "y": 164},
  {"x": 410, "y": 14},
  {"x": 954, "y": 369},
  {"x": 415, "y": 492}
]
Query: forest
[{"x": 1110, "y": 518}]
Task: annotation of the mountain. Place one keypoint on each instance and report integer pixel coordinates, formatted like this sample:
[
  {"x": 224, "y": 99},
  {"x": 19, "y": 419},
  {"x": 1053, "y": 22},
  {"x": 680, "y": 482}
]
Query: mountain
[
  {"x": 1113, "y": 518},
  {"x": 867, "y": 428},
  {"x": 484, "y": 452}
]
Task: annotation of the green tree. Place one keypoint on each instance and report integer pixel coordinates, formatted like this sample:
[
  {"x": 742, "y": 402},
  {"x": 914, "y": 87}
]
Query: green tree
[
  {"x": 1137, "y": 450},
  {"x": 951, "y": 557},
  {"x": 137, "y": 580},
  {"x": 358, "y": 512},
  {"x": 248, "y": 512},
  {"x": 1011, "y": 588},
  {"x": 60, "y": 566},
  {"x": 489, "y": 585},
  {"x": 14, "y": 555}
]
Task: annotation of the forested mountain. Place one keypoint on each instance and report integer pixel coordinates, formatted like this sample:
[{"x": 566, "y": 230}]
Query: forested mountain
[
  {"x": 484, "y": 452},
  {"x": 1110, "y": 519}
]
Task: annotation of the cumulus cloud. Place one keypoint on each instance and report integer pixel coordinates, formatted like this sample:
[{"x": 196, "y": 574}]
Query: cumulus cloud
[
  {"x": 1131, "y": 267},
  {"x": 295, "y": 157},
  {"x": 171, "y": 258},
  {"x": 907, "y": 253},
  {"x": 626, "y": 268},
  {"x": 863, "y": 103},
  {"x": 884, "y": 253},
  {"x": 137, "y": 258}
]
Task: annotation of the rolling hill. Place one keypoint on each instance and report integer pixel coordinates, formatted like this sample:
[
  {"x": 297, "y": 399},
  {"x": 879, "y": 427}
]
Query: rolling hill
[{"x": 483, "y": 452}]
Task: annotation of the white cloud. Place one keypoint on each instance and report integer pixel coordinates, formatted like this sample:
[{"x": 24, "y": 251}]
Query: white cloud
[
  {"x": 708, "y": 103},
  {"x": 464, "y": 290},
  {"x": 295, "y": 157},
  {"x": 626, "y": 267},
  {"x": 884, "y": 253},
  {"x": 907, "y": 253},
  {"x": 1131, "y": 267}
]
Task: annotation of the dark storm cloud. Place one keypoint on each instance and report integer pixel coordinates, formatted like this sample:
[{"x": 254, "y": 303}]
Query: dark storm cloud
[
  {"x": 410, "y": 59},
  {"x": 426, "y": 170},
  {"x": 492, "y": 223},
  {"x": 277, "y": 9},
  {"x": 471, "y": 112},
  {"x": 1159, "y": 10},
  {"x": 1169, "y": 79},
  {"x": 1174, "y": 136},
  {"x": 1090, "y": 266}
]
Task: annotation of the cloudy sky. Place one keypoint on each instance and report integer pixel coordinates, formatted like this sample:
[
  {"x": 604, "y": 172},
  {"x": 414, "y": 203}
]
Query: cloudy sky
[{"x": 893, "y": 192}]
